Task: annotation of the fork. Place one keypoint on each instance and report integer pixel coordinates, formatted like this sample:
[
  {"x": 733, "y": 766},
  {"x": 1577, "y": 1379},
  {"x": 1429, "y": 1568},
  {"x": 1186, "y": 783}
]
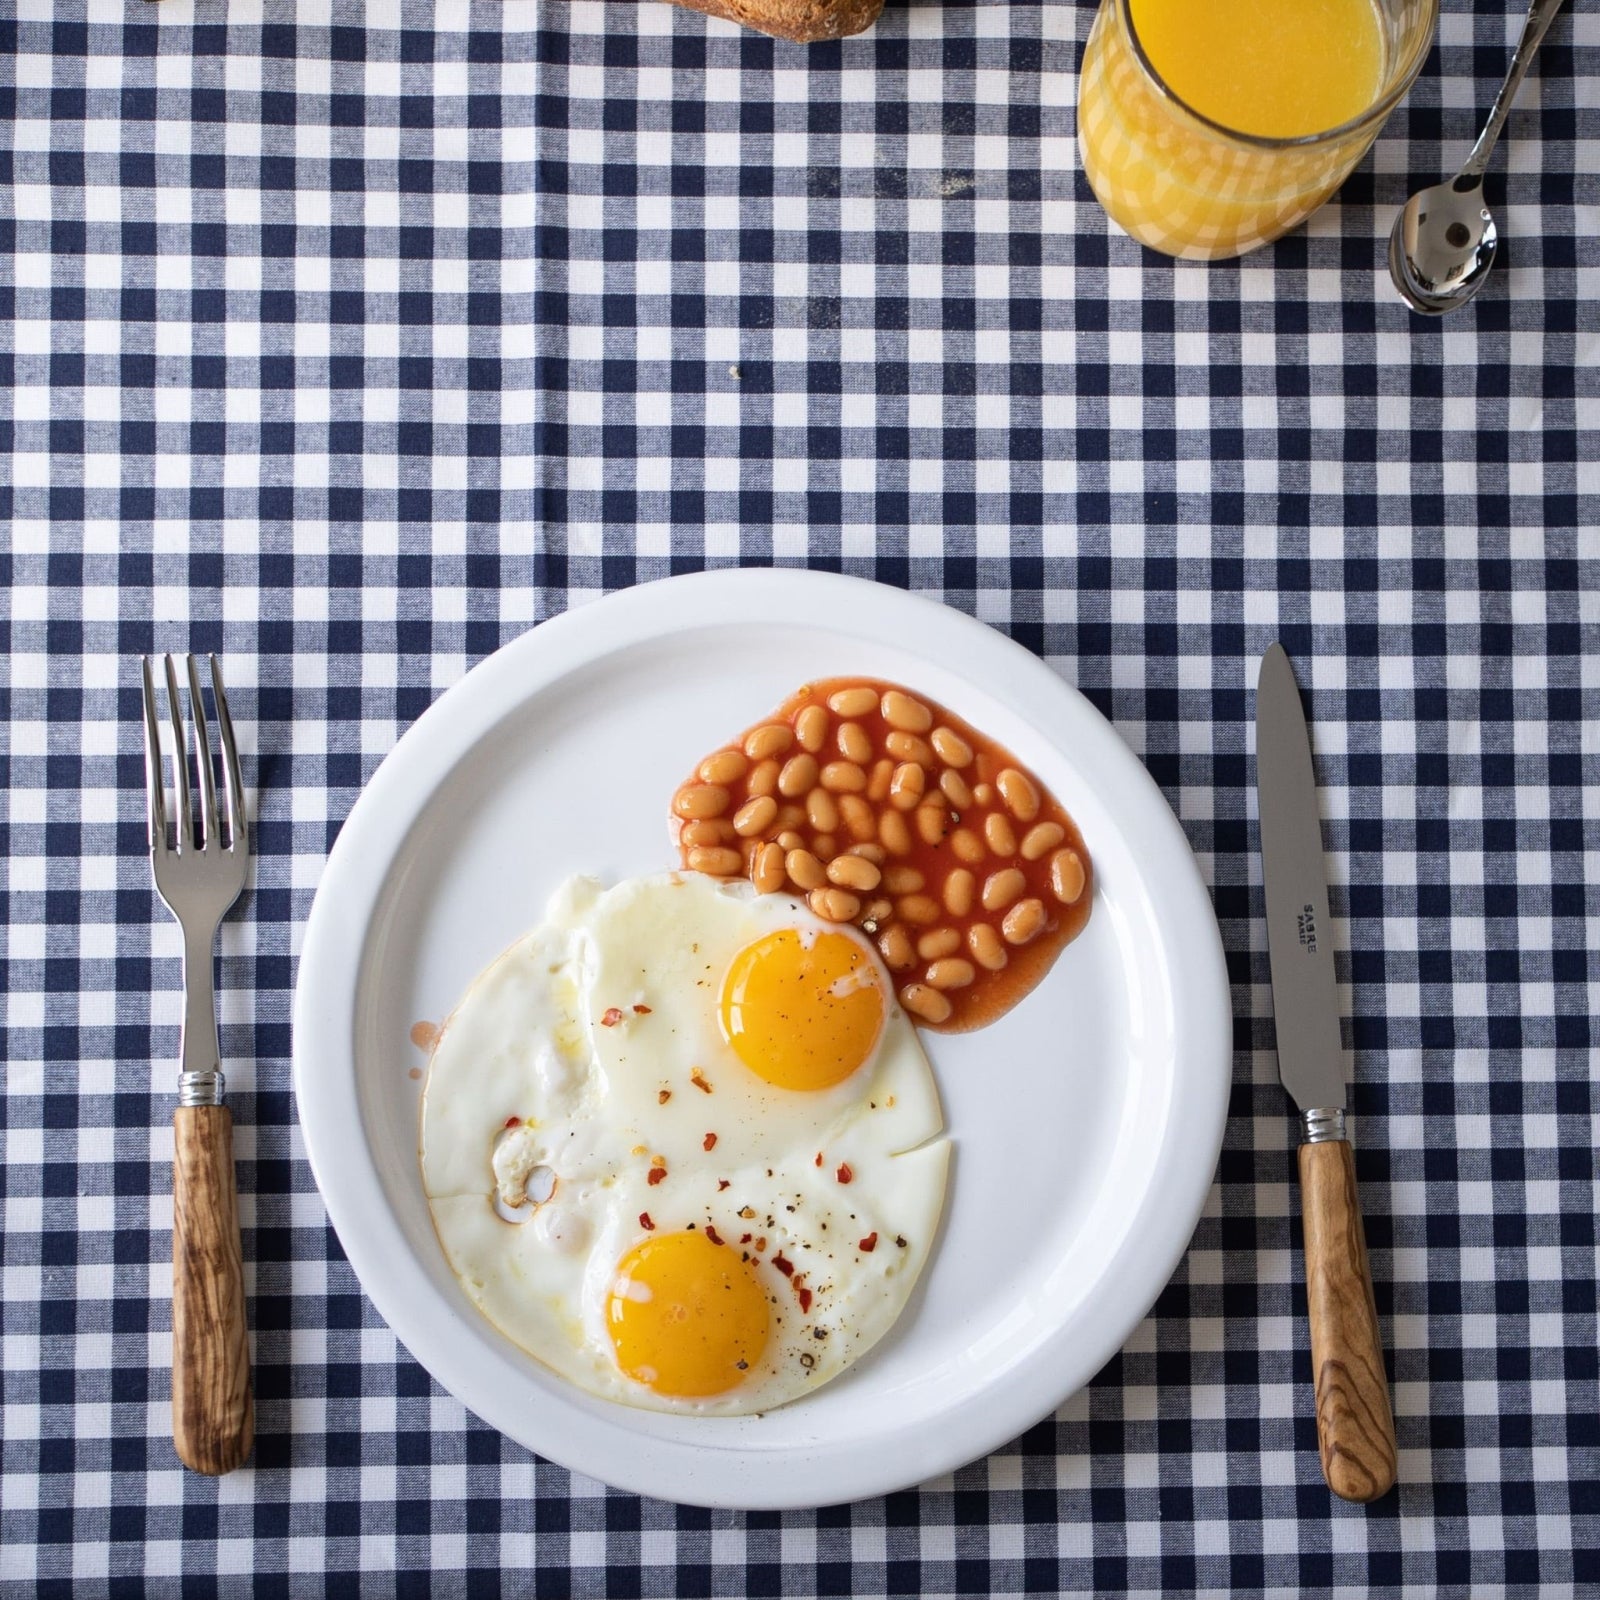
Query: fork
[{"x": 199, "y": 875}]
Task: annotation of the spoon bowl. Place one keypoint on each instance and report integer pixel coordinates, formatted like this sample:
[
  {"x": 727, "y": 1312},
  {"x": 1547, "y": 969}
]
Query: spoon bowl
[{"x": 1442, "y": 246}]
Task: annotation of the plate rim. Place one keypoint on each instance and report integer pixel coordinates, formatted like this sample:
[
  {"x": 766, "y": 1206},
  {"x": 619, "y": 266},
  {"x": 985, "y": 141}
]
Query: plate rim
[{"x": 328, "y": 985}]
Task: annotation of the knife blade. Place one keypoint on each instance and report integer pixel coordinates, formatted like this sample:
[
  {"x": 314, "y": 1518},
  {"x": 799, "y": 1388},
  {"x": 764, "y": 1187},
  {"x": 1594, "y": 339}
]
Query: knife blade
[
  {"x": 1355, "y": 1427},
  {"x": 1304, "y": 988}
]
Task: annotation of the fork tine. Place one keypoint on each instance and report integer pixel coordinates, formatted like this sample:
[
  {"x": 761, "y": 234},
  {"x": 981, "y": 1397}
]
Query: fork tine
[
  {"x": 202, "y": 760},
  {"x": 180, "y": 763},
  {"x": 238, "y": 831},
  {"x": 154, "y": 783}
]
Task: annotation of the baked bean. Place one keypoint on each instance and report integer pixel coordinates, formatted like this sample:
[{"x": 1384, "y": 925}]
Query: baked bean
[
  {"x": 708, "y": 830},
  {"x": 697, "y": 800},
  {"x": 853, "y": 702},
  {"x": 941, "y": 942},
  {"x": 763, "y": 778},
  {"x": 719, "y": 861},
  {"x": 954, "y": 788},
  {"x": 953, "y": 750},
  {"x": 1001, "y": 888},
  {"x": 804, "y": 870},
  {"x": 811, "y": 728},
  {"x": 958, "y": 892},
  {"x": 726, "y": 766},
  {"x": 767, "y": 872},
  {"x": 843, "y": 777},
  {"x": 925, "y": 1002},
  {"x": 951, "y": 973},
  {"x": 906, "y": 786},
  {"x": 858, "y": 817},
  {"x": 983, "y": 793},
  {"x": 1066, "y": 876},
  {"x": 1001, "y": 835},
  {"x": 868, "y": 851},
  {"x": 822, "y": 811},
  {"x": 790, "y": 840},
  {"x": 932, "y": 820},
  {"x": 755, "y": 816},
  {"x": 902, "y": 712},
  {"x": 771, "y": 739},
  {"x": 791, "y": 815},
  {"x": 908, "y": 747},
  {"x": 1019, "y": 794},
  {"x": 919, "y": 909},
  {"x": 895, "y": 834},
  {"x": 1042, "y": 837},
  {"x": 824, "y": 846},
  {"x": 854, "y": 872},
  {"x": 986, "y": 948},
  {"x": 835, "y": 905},
  {"x": 967, "y": 846},
  {"x": 879, "y": 910},
  {"x": 903, "y": 880},
  {"x": 1023, "y": 921},
  {"x": 895, "y": 945},
  {"x": 878, "y": 783},
  {"x": 854, "y": 744},
  {"x": 799, "y": 775}
]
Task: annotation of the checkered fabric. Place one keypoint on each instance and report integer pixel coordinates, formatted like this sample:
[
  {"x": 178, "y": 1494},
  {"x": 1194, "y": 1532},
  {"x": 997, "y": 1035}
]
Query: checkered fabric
[{"x": 349, "y": 345}]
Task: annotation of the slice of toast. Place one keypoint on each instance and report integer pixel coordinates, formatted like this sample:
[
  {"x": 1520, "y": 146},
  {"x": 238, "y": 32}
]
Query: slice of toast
[{"x": 803, "y": 21}]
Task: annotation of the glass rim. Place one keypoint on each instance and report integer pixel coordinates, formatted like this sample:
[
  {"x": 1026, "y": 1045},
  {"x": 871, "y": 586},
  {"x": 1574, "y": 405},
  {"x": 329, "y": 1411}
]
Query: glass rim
[{"x": 1374, "y": 114}]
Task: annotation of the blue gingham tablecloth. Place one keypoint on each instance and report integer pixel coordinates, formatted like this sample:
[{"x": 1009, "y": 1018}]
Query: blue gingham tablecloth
[{"x": 351, "y": 344}]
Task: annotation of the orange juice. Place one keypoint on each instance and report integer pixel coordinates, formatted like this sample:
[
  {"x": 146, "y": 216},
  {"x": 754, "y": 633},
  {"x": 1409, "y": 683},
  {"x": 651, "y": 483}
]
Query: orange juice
[
  {"x": 1280, "y": 70},
  {"x": 1208, "y": 127}
]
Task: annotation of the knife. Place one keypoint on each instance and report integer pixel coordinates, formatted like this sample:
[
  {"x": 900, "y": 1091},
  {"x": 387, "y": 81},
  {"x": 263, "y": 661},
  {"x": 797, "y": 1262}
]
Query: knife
[{"x": 1355, "y": 1428}]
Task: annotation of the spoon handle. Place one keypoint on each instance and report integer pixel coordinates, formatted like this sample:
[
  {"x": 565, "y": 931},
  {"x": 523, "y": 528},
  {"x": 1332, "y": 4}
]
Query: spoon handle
[{"x": 1540, "y": 15}]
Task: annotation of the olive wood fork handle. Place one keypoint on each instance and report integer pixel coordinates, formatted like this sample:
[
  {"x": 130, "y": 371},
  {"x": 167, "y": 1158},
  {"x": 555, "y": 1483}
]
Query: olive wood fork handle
[
  {"x": 213, "y": 1415},
  {"x": 1355, "y": 1427}
]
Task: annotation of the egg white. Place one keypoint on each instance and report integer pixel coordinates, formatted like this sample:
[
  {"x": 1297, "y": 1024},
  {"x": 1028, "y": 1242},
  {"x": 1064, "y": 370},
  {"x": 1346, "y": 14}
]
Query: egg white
[{"x": 576, "y": 1031}]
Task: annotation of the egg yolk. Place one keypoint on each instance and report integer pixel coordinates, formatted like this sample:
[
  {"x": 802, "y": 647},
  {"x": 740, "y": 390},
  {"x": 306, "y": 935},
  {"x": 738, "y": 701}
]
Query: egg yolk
[
  {"x": 688, "y": 1318},
  {"x": 802, "y": 1012}
]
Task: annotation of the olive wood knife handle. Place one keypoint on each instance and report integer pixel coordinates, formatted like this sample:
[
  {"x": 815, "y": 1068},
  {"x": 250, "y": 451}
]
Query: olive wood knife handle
[
  {"x": 213, "y": 1415},
  {"x": 1355, "y": 1427}
]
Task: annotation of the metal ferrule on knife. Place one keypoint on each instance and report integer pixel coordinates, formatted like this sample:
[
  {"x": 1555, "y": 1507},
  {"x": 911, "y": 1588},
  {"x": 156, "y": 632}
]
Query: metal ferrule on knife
[{"x": 1322, "y": 1124}]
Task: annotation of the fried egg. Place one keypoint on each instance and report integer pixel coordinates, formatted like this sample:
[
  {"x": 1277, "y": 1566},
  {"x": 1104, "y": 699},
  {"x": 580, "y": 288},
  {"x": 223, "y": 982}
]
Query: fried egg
[{"x": 681, "y": 1145}]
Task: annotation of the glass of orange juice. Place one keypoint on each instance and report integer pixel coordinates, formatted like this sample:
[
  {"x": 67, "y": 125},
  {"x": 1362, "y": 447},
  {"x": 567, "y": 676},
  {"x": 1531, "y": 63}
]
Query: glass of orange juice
[{"x": 1207, "y": 129}]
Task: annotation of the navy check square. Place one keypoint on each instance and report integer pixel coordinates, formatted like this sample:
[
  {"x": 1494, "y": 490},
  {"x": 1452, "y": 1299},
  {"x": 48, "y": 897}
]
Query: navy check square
[{"x": 349, "y": 343}]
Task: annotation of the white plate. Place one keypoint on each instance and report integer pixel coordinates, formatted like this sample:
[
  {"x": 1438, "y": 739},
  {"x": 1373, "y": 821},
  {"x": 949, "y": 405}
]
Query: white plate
[{"x": 1086, "y": 1123}]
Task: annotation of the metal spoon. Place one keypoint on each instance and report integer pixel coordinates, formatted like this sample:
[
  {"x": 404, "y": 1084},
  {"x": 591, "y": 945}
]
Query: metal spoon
[{"x": 1443, "y": 241}]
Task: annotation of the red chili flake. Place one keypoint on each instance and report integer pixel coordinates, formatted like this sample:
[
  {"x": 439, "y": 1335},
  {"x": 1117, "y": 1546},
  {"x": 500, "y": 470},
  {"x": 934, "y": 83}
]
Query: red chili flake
[
  {"x": 698, "y": 1079},
  {"x": 819, "y": 1158},
  {"x": 709, "y": 1142},
  {"x": 611, "y": 1017},
  {"x": 713, "y": 1235},
  {"x": 870, "y": 1243},
  {"x": 662, "y": 1096},
  {"x": 513, "y": 1122},
  {"x": 844, "y": 1174},
  {"x": 645, "y": 1222},
  {"x": 783, "y": 1264},
  {"x": 805, "y": 1300},
  {"x": 655, "y": 1175},
  {"x": 744, "y": 1238},
  {"x": 641, "y": 1011},
  {"x": 722, "y": 1183}
]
